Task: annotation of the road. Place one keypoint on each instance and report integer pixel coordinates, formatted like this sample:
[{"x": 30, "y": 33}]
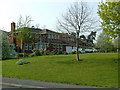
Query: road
[{"x": 3, "y": 86}]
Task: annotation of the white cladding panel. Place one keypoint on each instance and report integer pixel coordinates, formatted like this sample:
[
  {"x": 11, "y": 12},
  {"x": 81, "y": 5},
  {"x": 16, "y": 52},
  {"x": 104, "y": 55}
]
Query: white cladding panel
[{"x": 68, "y": 49}]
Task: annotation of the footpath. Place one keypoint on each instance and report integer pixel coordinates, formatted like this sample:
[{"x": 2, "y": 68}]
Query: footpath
[{"x": 21, "y": 83}]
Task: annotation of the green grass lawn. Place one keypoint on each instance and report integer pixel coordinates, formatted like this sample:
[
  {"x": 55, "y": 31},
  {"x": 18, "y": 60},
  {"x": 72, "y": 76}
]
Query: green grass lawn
[
  {"x": 0, "y": 68},
  {"x": 96, "y": 69}
]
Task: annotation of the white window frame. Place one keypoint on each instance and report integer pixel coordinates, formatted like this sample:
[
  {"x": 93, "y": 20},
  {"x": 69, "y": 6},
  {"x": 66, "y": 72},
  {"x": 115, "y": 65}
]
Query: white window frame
[
  {"x": 58, "y": 36},
  {"x": 26, "y": 46},
  {"x": 48, "y": 35},
  {"x": 52, "y": 36},
  {"x": 30, "y": 47}
]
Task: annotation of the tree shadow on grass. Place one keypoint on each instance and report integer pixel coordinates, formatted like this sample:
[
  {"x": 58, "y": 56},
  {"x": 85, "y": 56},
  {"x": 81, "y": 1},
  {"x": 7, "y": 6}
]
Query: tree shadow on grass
[
  {"x": 10, "y": 59},
  {"x": 70, "y": 61}
]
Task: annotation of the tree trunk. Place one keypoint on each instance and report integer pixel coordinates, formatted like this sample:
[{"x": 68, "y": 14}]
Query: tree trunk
[
  {"x": 23, "y": 51},
  {"x": 21, "y": 46},
  {"x": 77, "y": 50}
]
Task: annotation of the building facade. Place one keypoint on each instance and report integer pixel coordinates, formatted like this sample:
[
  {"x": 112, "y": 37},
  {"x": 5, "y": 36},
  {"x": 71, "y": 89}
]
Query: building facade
[{"x": 44, "y": 39}]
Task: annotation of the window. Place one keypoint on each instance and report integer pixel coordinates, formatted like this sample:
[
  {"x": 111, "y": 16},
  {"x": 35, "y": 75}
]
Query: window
[
  {"x": 52, "y": 36},
  {"x": 30, "y": 47},
  {"x": 55, "y": 36},
  {"x": 36, "y": 46},
  {"x": 26, "y": 46},
  {"x": 48, "y": 35},
  {"x": 58, "y": 37}
]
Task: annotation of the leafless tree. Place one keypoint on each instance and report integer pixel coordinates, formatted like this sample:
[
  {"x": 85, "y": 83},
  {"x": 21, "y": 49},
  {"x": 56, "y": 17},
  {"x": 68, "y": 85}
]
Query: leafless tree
[
  {"x": 37, "y": 25},
  {"x": 22, "y": 32},
  {"x": 78, "y": 19},
  {"x": 24, "y": 22}
]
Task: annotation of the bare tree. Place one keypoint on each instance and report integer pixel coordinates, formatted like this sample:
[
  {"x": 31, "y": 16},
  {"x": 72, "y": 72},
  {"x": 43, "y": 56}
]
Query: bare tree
[
  {"x": 78, "y": 19},
  {"x": 37, "y": 25},
  {"x": 24, "y": 22},
  {"x": 22, "y": 32}
]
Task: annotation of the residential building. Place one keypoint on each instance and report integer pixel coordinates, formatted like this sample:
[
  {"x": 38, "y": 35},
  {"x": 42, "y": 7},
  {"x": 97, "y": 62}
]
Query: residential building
[{"x": 44, "y": 39}]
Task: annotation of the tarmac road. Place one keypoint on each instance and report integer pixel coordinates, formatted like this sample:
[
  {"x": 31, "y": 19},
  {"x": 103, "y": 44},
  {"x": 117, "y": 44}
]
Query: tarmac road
[
  {"x": 38, "y": 84},
  {"x": 3, "y": 86}
]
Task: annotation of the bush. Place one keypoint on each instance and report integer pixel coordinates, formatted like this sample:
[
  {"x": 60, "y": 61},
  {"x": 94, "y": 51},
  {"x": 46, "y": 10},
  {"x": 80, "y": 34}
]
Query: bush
[
  {"x": 47, "y": 52},
  {"x": 73, "y": 52},
  {"x": 5, "y": 46},
  {"x": 65, "y": 53},
  {"x": 42, "y": 51},
  {"x": 54, "y": 52},
  {"x": 32, "y": 54},
  {"x": 19, "y": 55},
  {"x": 21, "y": 62},
  {"x": 36, "y": 52},
  {"x": 60, "y": 52}
]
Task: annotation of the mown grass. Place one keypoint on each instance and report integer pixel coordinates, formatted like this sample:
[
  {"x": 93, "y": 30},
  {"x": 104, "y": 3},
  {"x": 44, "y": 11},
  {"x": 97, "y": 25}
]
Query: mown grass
[
  {"x": 96, "y": 69},
  {"x": 0, "y": 68}
]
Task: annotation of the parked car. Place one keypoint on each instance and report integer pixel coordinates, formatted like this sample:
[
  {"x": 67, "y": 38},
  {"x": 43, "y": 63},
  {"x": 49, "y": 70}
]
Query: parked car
[
  {"x": 88, "y": 50},
  {"x": 81, "y": 50}
]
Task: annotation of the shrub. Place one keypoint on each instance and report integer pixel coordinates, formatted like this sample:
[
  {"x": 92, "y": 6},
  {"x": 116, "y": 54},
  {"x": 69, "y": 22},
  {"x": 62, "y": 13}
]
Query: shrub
[
  {"x": 73, "y": 52},
  {"x": 21, "y": 62},
  {"x": 32, "y": 54},
  {"x": 54, "y": 52},
  {"x": 5, "y": 46},
  {"x": 60, "y": 52},
  {"x": 65, "y": 53},
  {"x": 47, "y": 52},
  {"x": 42, "y": 51},
  {"x": 36, "y": 52},
  {"x": 19, "y": 55}
]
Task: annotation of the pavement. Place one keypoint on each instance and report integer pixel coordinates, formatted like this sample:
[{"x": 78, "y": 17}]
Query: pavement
[{"x": 21, "y": 83}]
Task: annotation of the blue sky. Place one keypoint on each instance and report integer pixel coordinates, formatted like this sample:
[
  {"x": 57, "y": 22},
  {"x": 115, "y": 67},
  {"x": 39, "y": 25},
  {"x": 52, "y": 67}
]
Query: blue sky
[{"x": 43, "y": 12}]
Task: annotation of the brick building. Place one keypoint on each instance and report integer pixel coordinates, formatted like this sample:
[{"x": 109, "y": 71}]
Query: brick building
[{"x": 44, "y": 39}]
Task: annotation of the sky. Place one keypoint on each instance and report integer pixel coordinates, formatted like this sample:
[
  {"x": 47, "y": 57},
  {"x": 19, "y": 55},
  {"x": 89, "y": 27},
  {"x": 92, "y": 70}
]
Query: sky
[{"x": 43, "y": 12}]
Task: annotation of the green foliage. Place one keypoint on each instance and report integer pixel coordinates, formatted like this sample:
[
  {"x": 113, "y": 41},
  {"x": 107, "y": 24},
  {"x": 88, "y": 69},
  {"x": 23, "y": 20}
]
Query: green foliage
[
  {"x": 5, "y": 47},
  {"x": 73, "y": 51},
  {"x": 65, "y": 53},
  {"x": 36, "y": 52},
  {"x": 47, "y": 52},
  {"x": 116, "y": 43},
  {"x": 42, "y": 51},
  {"x": 20, "y": 55},
  {"x": 109, "y": 12},
  {"x": 104, "y": 43},
  {"x": 32, "y": 55},
  {"x": 24, "y": 34},
  {"x": 54, "y": 52},
  {"x": 21, "y": 62},
  {"x": 60, "y": 52}
]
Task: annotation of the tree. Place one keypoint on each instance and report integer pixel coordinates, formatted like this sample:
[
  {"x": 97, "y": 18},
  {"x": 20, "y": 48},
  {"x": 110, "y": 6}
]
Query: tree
[
  {"x": 5, "y": 47},
  {"x": 109, "y": 12},
  {"x": 116, "y": 43},
  {"x": 104, "y": 42},
  {"x": 78, "y": 19},
  {"x": 23, "y": 32}
]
